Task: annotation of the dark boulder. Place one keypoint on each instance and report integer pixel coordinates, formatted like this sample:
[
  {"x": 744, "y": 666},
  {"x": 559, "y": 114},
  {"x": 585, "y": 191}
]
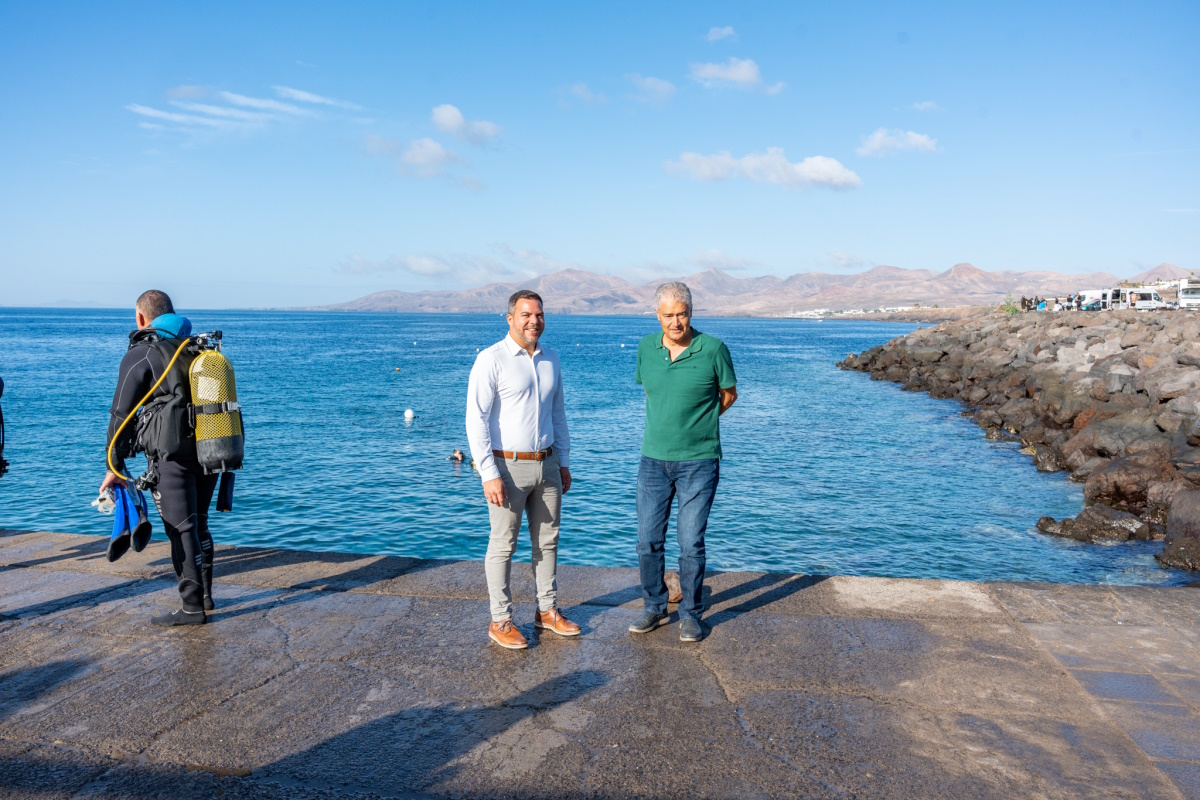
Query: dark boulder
[
  {"x": 1183, "y": 532},
  {"x": 1098, "y": 524}
]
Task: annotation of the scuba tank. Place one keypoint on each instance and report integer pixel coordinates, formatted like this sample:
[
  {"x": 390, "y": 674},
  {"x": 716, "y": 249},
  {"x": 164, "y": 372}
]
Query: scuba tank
[
  {"x": 191, "y": 413},
  {"x": 220, "y": 440}
]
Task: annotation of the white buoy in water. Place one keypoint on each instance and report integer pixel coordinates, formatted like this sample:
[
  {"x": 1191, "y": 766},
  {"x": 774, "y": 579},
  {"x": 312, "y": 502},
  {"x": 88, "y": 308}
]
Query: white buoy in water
[
  {"x": 408, "y": 414},
  {"x": 414, "y": 343},
  {"x": 622, "y": 347}
]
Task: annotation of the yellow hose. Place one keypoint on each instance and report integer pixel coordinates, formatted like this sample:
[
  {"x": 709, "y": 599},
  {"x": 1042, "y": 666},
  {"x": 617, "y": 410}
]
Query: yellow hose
[{"x": 141, "y": 403}]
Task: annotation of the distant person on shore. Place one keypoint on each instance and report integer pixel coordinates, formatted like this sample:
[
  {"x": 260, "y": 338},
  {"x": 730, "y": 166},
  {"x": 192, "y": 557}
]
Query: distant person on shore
[
  {"x": 689, "y": 382},
  {"x": 1024, "y": 303},
  {"x": 517, "y": 430},
  {"x": 181, "y": 490}
]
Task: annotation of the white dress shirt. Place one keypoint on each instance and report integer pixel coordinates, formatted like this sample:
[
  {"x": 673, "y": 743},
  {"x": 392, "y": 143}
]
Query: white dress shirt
[{"x": 515, "y": 402}]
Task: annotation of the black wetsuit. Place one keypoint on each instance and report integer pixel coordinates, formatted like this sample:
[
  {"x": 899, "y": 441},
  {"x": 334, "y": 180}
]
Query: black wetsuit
[{"x": 183, "y": 492}]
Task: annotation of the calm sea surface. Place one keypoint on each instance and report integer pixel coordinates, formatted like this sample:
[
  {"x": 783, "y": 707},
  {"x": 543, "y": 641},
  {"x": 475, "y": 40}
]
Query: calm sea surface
[{"x": 825, "y": 471}]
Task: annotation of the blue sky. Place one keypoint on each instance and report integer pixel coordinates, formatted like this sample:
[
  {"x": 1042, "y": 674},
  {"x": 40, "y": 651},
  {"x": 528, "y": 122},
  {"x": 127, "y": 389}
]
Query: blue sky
[{"x": 295, "y": 153}]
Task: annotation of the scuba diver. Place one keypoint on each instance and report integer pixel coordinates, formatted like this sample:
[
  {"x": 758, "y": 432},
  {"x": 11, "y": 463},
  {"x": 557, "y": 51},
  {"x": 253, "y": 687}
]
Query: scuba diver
[{"x": 157, "y": 385}]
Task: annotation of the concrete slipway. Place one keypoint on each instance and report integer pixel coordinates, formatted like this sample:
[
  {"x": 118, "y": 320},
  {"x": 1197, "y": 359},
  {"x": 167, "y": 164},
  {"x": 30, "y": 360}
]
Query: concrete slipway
[{"x": 329, "y": 675}]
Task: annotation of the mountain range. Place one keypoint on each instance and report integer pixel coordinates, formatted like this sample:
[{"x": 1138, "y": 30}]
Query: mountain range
[{"x": 718, "y": 293}]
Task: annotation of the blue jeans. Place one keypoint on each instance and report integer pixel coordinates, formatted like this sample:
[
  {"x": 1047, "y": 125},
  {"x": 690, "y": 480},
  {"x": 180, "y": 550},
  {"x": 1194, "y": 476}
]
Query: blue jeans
[{"x": 660, "y": 482}]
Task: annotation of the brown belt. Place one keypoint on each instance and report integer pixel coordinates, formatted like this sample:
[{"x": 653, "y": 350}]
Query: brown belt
[{"x": 512, "y": 455}]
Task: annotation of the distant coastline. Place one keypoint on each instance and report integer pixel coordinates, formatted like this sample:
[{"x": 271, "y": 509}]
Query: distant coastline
[{"x": 883, "y": 292}]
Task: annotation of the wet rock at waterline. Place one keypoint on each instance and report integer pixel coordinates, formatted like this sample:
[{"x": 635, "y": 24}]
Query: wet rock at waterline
[
  {"x": 1100, "y": 524},
  {"x": 1113, "y": 397}
]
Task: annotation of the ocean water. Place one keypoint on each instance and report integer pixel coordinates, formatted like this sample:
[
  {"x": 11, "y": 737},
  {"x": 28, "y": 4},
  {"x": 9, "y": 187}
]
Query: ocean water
[{"x": 824, "y": 472}]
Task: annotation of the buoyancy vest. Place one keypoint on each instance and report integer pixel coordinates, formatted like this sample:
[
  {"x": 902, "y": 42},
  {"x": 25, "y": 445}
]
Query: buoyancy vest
[{"x": 166, "y": 424}]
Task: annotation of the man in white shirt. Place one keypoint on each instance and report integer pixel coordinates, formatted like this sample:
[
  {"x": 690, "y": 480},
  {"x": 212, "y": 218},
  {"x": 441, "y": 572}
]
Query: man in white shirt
[{"x": 517, "y": 429}]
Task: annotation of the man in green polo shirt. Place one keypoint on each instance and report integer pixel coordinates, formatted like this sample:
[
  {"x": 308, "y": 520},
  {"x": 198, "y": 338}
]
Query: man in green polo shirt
[{"x": 689, "y": 382}]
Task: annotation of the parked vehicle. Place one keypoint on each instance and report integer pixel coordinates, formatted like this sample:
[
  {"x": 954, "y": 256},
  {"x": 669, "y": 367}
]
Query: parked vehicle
[
  {"x": 1189, "y": 293},
  {"x": 1139, "y": 299}
]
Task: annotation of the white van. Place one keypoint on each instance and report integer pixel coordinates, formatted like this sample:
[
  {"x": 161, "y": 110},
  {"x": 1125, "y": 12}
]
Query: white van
[
  {"x": 1140, "y": 299},
  {"x": 1189, "y": 293}
]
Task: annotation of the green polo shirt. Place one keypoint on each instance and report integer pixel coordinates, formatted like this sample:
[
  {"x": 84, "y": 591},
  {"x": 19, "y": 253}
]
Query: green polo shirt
[{"x": 682, "y": 403}]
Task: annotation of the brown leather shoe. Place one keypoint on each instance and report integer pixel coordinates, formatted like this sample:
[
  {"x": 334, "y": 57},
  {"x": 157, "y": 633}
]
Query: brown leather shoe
[
  {"x": 553, "y": 620},
  {"x": 505, "y": 634},
  {"x": 674, "y": 590}
]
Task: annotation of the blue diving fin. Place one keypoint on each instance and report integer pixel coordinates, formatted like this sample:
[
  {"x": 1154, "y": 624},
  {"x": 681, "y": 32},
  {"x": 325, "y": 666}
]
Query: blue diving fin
[
  {"x": 118, "y": 543},
  {"x": 138, "y": 519}
]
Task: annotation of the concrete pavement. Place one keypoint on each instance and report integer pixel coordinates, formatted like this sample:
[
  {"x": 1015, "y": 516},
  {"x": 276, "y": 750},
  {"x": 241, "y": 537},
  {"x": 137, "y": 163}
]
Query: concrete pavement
[{"x": 332, "y": 675}]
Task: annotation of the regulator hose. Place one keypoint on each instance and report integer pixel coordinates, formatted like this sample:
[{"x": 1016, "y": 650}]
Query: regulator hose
[{"x": 141, "y": 403}]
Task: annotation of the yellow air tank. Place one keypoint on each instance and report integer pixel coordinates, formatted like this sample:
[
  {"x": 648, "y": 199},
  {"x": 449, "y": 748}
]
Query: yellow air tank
[{"x": 220, "y": 440}]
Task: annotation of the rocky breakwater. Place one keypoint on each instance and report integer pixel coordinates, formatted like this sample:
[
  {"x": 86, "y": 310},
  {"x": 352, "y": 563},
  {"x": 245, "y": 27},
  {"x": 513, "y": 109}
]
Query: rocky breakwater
[{"x": 1111, "y": 396}]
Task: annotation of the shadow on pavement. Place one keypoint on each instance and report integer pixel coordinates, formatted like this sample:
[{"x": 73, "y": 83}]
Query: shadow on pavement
[
  {"x": 21, "y": 688},
  {"x": 400, "y": 754}
]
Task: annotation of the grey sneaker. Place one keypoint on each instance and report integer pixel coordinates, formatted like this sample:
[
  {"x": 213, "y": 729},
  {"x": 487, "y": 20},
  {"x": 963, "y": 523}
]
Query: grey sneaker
[
  {"x": 647, "y": 622},
  {"x": 690, "y": 630}
]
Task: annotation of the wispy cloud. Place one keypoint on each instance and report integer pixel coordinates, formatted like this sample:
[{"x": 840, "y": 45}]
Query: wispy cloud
[
  {"x": 263, "y": 104},
  {"x": 222, "y": 111},
  {"x": 926, "y": 105},
  {"x": 214, "y": 110},
  {"x": 457, "y": 268},
  {"x": 843, "y": 260},
  {"x": 769, "y": 167},
  {"x": 652, "y": 90},
  {"x": 449, "y": 119},
  {"x": 717, "y": 259},
  {"x": 504, "y": 263},
  {"x": 737, "y": 73},
  {"x": 885, "y": 142},
  {"x": 184, "y": 120},
  {"x": 301, "y": 96},
  {"x": 717, "y": 34},
  {"x": 582, "y": 93}
]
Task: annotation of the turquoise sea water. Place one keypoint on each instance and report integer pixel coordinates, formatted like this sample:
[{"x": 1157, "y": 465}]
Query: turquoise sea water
[{"x": 825, "y": 471}]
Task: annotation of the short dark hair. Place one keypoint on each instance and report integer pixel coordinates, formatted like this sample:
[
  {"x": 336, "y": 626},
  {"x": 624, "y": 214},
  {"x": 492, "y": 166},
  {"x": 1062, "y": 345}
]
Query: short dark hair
[
  {"x": 153, "y": 303},
  {"x": 523, "y": 294}
]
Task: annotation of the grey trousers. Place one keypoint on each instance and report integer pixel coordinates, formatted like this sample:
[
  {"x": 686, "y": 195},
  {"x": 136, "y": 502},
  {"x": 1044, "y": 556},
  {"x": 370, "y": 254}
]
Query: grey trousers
[{"x": 534, "y": 490}]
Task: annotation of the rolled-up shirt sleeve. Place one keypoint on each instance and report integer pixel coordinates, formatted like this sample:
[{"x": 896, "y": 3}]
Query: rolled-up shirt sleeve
[
  {"x": 562, "y": 439},
  {"x": 481, "y": 393}
]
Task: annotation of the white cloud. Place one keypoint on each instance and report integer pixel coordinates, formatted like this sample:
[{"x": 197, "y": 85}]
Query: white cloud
[
  {"x": 653, "y": 90},
  {"x": 769, "y": 167},
  {"x": 583, "y": 93},
  {"x": 739, "y": 73},
  {"x": 717, "y": 34},
  {"x": 299, "y": 95},
  {"x": 426, "y": 158},
  {"x": 885, "y": 142},
  {"x": 926, "y": 105},
  {"x": 449, "y": 119},
  {"x": 422, "y": 158}
]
